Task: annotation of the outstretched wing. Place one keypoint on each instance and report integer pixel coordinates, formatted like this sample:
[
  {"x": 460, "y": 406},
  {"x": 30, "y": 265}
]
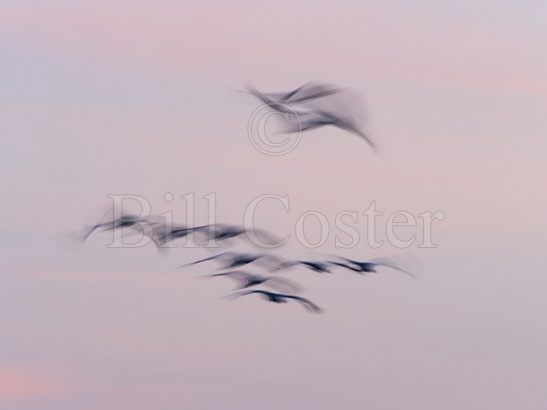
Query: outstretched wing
[
  {"x": 234, "y": 273},
  {"x": 388, "y": 263},
  {"x": 312, "y": 307},
  {"x": 306, "y": 92},
  {"x": 280, "y": 107},
  {"x": 239, "y": 276},
  {"x": 220, "y": 255},
  {"x": 356, "y": 131},
  {"x": 345, "y": 265},
  {"x": 248, "y": 292}
]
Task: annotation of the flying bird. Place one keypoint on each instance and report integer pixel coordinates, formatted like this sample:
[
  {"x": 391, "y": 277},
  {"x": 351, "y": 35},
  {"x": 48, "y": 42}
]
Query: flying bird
[
  {"x": 315, "y": 109},
  {"x": 281, "y": 298},
  {"x": 107, "y": 223},
  {"x": 365, "y": 267},
  {"x": 223, "y": 232},
  {"x": 122, "y": 222},
  {"x": 247, "y": 280},
  {"x": 236, "y": 260},
  {"x": 176, "y": 232}
]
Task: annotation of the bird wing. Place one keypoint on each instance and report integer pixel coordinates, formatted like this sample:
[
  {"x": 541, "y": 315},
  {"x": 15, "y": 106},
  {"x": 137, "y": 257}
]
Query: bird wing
[
  {"x": 291, "y": 94},
  {"x": 243, "y": 278},
  {"x": 283, "y": 285},
  {"x": 306, "y": 92},
  {"x": 312, "y": 307},
  {"x": 235, "y": 274},
  {"x": 397, "y": 268},
  {"x": 268, "y": 260},
  {"x": 318, "y": 94},
  {"x": 220, "y": 255},
  {"x": 356, "y": 131},
  {"x": 239, "y": 294},
  {"x": 210, "y": 231},
  {"x": 392, "y": 265},
  {"x": 313, "y": 265},
  {"x": 248, "y": 292},
  {"x": 276, "y": 97},
  {"x": 251, "y": 89},
  {"x": 349, "y": 260},
  {"x": 284, "y": 265},
  {"x": 344, "y": 265},
  {"x": 262, "y": 234}
]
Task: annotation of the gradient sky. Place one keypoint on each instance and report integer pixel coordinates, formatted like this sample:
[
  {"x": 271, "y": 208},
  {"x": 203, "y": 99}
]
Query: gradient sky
[{"x": 142, "y": 97}]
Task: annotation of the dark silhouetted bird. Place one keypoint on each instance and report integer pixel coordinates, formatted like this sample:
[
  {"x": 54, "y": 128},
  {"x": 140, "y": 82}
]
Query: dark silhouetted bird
[
  {"x": 315, "y": 109},
  {"x": 281, "y": 298},
  {"x": 365, "y": 267},
  {"x": 122, "y": 222},
  {"x": 108, "y": 223},
  {"x": 223, "y": 232},
  {"x": 247, "y": 280},
  {"x": 236, "y": 260}
]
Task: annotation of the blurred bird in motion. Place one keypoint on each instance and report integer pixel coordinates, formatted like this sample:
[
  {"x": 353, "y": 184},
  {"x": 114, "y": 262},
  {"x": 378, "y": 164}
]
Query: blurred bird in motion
[
  {"x": 108, "y": 223},
  {"x": 247, "y": 280},
  {"x": 236, "y": 260},
  {"x": 315, "y": 109},
  {"x": 280, "y": 298},
  {"x": 366, "y": 267},
  {"x": 224, "y": 232},
  {"x": 164, "y": 235}
]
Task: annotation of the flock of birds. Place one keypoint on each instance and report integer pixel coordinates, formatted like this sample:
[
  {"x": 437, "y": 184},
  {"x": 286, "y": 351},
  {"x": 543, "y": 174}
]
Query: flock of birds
[
  {"x": 231, "y": 263},
  {"x": 317, "y": 111}
]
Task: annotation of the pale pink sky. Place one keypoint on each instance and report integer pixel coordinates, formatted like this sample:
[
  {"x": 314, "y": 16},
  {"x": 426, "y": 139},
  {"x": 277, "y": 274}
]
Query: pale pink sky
[{"x": 142, "y": 98}]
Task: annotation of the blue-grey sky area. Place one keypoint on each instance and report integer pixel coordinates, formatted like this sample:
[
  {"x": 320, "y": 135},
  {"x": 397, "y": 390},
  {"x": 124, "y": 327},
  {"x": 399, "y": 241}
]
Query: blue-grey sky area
[{"x": 145, "y": 98}]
